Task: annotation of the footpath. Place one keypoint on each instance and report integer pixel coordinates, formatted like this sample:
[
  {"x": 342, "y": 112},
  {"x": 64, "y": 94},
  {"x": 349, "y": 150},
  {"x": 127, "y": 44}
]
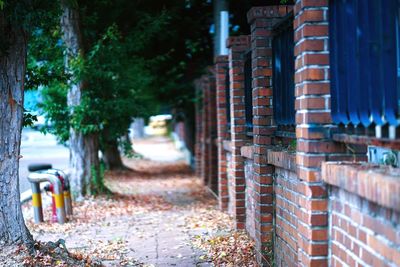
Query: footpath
[{"x": 159, "y": 215}]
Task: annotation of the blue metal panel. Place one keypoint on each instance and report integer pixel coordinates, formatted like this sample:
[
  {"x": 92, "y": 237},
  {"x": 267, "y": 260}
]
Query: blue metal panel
[
  {"x": 283, "y": 74},
  {"x": 352, "y": 63},
  {"x": 342, "y": 70},
  {"x": 338, "y": 59},
  {"x": 248, "y": 92},
  {"x": 376, "y": 67},
  {"x": 227, "y": 98},
  {"x": 277, "y": 77},
  {"x": 289, "y": 55},
  {"x": 389, "y": 61},
  {"x": 364, "y": 108},
  {"x": 333, "y": 59},
  {"x": 364, "y": 61}
]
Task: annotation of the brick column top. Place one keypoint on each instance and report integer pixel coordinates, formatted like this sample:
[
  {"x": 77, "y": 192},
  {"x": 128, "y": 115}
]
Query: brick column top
[
  {"x": 268, "y": 12},
  {"x": 211, "y": 69},
  {"x": 242, "y": 40},
  {"x": 221, "y": 59}
]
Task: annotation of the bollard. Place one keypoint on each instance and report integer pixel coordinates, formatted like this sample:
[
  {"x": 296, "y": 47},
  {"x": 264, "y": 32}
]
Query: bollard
[
  {"x": 66, "y": 189},
  {"x": 58, "y": 194}
]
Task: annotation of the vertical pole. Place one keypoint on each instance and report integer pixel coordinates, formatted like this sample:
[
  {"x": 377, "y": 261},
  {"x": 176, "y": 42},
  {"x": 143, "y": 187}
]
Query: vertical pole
[
  {"x": 219, "y": 6},
  {"x": 223, "y": 50}
]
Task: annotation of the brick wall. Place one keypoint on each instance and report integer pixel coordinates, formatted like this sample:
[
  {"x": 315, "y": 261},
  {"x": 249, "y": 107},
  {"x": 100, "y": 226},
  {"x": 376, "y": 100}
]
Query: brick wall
[
  {"x": 285, "y": 245},
  {"x": 206, "y": 133},
  {"x": 364, "y": 214},
  {"x": 310, "y": 215},
  {"x": 231, "y": 184},
  {"x": 249, "y": 199},
  {"x": 248, "y": 153},
  {"x": 212, "y": 161},
  {"x": 286, "y": 187}
]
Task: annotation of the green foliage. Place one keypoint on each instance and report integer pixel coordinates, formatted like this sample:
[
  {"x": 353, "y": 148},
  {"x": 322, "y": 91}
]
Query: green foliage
[
  {"x": 118, "y": 79},
  {"x": 269, "y": 253},
  {"x": 46, "y": 73},
  {"x": 292, "y": 145},
  {"x": 23, "y": 16},
  {"x": 28, "y": 119},
  {"x": 116, "y": 74},
  {"x": 57, "y": 113},
  {"x": 45, "y": 63}
]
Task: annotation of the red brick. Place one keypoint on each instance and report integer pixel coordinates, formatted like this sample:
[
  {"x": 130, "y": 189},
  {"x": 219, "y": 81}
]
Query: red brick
[
  {"x": 310, "y": 74},
  {"x": 314, "y": 117},
  {"x": 316, "y": 88},
  {"x": 309, "y": 45},
  {"x": 316, "y": 59}
]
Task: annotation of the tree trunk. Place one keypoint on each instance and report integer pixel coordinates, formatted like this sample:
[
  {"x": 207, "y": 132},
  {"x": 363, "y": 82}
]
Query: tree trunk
[
  {"x": 12, "y": 74},
  {"x": 112, "y": 156},
  {"x": 84, "y": 161}
]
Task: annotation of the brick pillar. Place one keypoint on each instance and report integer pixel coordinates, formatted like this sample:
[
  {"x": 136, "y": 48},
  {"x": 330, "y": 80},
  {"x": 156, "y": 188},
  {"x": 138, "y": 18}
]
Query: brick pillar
[
  {"x": 313, "y": 123},
  {"x": 205, "y": 132},
  {"x": 237, "y": 48},
  {"x": 199, "y": 129},
  {"x": 212, "y": 161},
  {"x": 221, "y": 65},
  {"x": 261, "y": 20}
]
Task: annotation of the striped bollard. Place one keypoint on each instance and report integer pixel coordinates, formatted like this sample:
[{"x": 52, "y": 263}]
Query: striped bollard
[
  {"x": 37, "y": 203},
  {"x": 59, "y": 200}
]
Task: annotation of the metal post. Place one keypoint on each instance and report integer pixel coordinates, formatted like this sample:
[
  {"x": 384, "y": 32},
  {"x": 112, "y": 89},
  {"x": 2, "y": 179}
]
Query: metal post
[
  {"x": 218, "y": 6},
  {"x": 224, "y": 32}
]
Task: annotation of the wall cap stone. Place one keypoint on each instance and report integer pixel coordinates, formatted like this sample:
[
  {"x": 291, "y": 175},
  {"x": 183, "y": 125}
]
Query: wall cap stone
[
  {"x": 242, "y": 40},
  {"x": 247, "y": 152},
  {"x": 283, "y": 159},
  {"x": 268, "y": 12},
  {"x": 221, "y": 59},
  {"x": 227, "y": 145},
  {"x": 376, "y": 183}
]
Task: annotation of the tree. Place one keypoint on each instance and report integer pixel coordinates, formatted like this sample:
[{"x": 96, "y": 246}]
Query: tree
[
  {"x": 117, "y": 76},
  {"x": 12, "y": 65},
  {"x": 84, "y": 161},
  {"x": 16, "y": 21}
]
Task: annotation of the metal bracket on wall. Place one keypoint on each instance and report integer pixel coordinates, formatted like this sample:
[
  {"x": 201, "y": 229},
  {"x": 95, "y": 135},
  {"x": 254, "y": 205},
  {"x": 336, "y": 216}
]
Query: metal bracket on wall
[{"x": 383, "y": 156}]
